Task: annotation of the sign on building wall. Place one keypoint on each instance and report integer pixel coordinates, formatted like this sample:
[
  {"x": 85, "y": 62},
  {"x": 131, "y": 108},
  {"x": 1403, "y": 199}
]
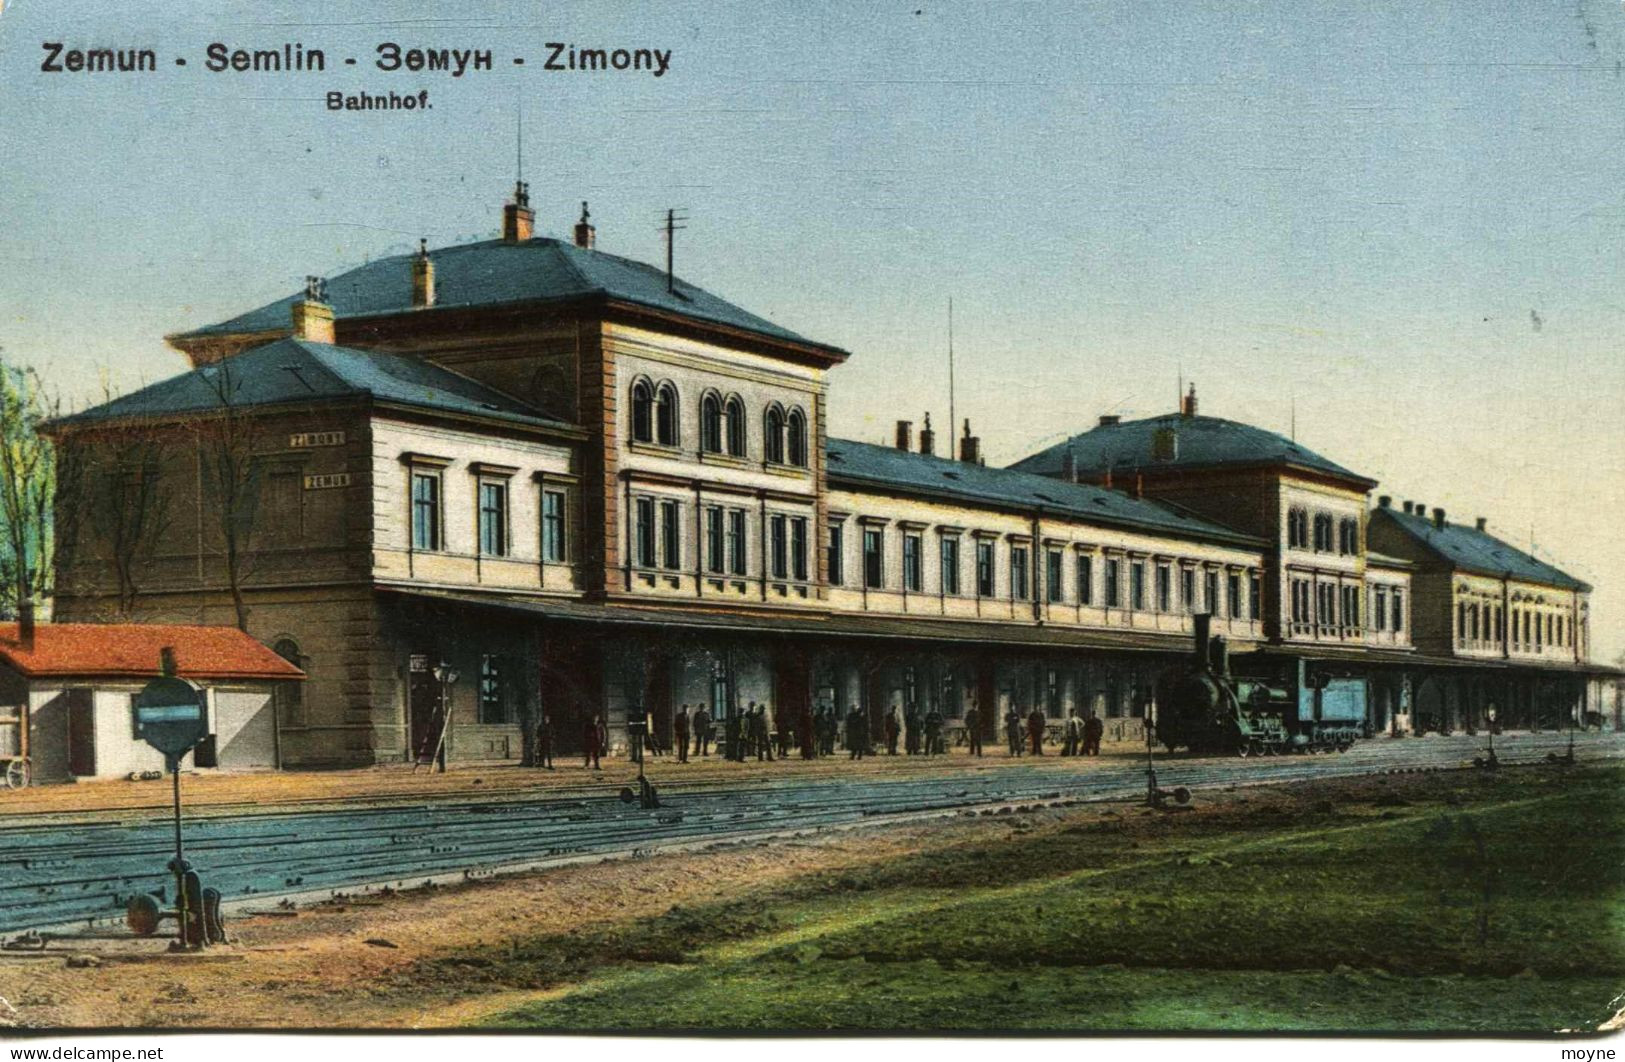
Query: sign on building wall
[
  {"x": 306, "y": 440},
  {"x": 327, "y": 481}
]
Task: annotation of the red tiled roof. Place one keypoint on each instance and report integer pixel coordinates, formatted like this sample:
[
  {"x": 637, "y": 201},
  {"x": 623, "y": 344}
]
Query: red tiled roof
[{"x": 131, "y": 650}]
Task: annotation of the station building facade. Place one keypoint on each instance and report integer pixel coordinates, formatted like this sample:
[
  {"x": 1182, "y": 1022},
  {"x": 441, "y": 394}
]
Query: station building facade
[{"x": 523, "y": 473}]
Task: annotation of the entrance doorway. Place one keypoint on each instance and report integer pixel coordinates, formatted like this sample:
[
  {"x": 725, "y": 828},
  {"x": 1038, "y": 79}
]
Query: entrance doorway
[
  {"x": 81, "y": 734},
  {"x": 425, "y": 719}
]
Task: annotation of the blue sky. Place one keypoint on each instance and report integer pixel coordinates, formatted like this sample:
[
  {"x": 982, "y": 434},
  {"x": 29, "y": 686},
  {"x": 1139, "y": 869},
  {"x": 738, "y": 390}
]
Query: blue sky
[{"x": 1403, "y": 221}]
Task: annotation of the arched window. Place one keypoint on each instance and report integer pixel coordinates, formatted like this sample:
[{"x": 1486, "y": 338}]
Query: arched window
[
  {"x": 643, "y": 412},
  {"x": 773, "y": 435},
  {"x": 796, "y": 432},
  {"x": 289, "y": 697},
  {"x": 736, "y": 426},
  {"x": 710, "y": 424},
  {"x": 666, "y": 415}
]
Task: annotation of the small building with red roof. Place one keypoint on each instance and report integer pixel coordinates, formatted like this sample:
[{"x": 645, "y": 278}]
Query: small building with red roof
[{"x": 67, "y": 691}]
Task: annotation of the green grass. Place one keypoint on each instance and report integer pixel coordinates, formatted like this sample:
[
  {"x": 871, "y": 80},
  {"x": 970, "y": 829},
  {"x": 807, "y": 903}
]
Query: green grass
[{"x": 1479, "y": 903}]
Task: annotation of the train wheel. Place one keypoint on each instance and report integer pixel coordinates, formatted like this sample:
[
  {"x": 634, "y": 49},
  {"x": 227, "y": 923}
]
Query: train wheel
[
  {"x": 1244, "y": 749},
  {"x": 1344, "y": 746},
  {"x": 17, "y": 774}
]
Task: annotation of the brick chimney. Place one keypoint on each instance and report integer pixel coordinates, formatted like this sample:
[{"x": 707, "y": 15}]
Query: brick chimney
[
  {"x": 1187, "y": 407},
  {"x": 586, "y": 235},
  {"x": 905, "y": 435},
  {"x": 518, "y": 219},
  {"x": 928, "y": 438},
  {"x": 1385, "y": 501},
  {"x": 1069, "y": 466},
  {"x": 1438, "y": 518},
  {"x": 1482, "y": 523},
  {"x": 970, "y": 446},
  {"x": 422, "y": 276},
  {"x": 312, "y": 316},
  {"x": 1107, "y": 420},
  {"x": 25, "y": 625}
]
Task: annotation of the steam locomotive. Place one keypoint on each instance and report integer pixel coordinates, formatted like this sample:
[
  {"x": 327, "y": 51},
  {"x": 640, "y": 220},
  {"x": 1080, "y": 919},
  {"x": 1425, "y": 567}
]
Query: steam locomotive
[{"x": 1295, "y": 707}]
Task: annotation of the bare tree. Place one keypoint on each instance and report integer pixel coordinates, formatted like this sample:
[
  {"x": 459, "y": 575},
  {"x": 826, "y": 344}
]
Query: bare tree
[
  {"x": 114, "y": 506},
  {"x": 27, "y": 487},
  {"x": 232, "y": 477}
]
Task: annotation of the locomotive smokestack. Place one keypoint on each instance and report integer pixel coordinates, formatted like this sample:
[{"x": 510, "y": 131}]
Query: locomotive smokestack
[{"x": 1204, "y": 628}]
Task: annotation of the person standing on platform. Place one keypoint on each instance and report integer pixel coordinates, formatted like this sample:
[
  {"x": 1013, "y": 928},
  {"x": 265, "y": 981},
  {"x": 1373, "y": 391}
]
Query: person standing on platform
[
  {"x": 856, "y": 738},
  {"x": 892, "y": 732},
  {"x": 1093, "y": 728},
  {"x": 679, "y": 733},
  {"x": 911, "y": 731},
  {"x": 786, "y": 731},
  {"x": 933, "y": 732},
  {"x": 593, "y": 737},
  {"x": 1074, "y": 734},
  {"x": 1035, "y": 730},
  {"x": 544, "y": 741},
  {"x": 804, "y": 731},
  {"x": 973, "y": 730},
  {"x": 759, "y": 735},
  {"x": 1012, "y": 730},
  {"x": 732, "y": 745},
  {"x": 701, "y": 725}
]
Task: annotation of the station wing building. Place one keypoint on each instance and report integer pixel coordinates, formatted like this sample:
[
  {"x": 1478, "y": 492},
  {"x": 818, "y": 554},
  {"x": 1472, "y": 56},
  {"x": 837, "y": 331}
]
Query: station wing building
[{"x": 457, "y": 486}]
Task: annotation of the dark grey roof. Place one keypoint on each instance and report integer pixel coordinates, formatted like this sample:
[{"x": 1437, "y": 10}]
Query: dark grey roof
[
  {"x": 494, "y": 272},
  {"x": 865, "y": 465},
  {"x": 1472, "y": 550},
  {"x": 1201, "y": 442},
  {"x": 298, "y": 371}
]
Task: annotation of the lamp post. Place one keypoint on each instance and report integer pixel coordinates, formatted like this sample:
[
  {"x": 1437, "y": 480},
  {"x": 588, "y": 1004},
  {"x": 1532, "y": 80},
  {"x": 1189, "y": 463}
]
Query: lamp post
[{"x": 445, "y": 677}]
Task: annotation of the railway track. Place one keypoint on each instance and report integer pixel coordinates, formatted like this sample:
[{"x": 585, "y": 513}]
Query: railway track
[{"x": 82, "y": 873}]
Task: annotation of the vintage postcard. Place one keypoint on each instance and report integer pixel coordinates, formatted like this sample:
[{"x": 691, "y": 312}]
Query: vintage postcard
[{"x": 871, "y": 519}]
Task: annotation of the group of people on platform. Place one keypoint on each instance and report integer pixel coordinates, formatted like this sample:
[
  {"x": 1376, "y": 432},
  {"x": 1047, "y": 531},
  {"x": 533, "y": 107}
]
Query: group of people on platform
[{"x": 815, "y": 733}]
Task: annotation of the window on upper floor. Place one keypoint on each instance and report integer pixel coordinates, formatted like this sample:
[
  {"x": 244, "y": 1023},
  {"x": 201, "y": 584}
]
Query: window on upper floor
[
  {"x": 666, "y": 426},
  {"x": 738, "y": 556},
  {"x": 1187, "y": 589},
  {"x": 671, "y": 536},
  {"x": 1086, "y": 589},
  {"x": 1018, "y": 573},
  {"x": 1399, "y": 611},
  {"x": 874, "y": 552},
  {"x": 1323, "y": 533},
  {"x": 795, "y": 431},
  {"x": 1255, "y": 596},
  {"x": 643, "y": 532},
  {"x": 948, "y": 547},
  {"x": 1379, "y": 609},
  {"x": 426, "y": 510},
  {"x": 798, "y": 547},
  {"x": 913, "y": 565},
  {"x": 643, "y": 411},
  {"x": 778, "y": 539},
  {"x": 734, "y": 426},
  {"x": 1114, "y": 578},
  {"x": 1233, "y": 593},
  {"x": 1165, "y": 588},
  {"x": 1054, "y": 588},
  {"x": 1297, "y": 528},
  {"x": 711, "y": 424},
  {"x": 837, "y": 536},
  {"x": 1210, "y": 593},
  {"x": 493, "y": 518},
  {"x": 1136, "y": 586},
  {"x": 715, "y": 550},
  {"x": 984, "y": 569},
  {"x": 1348, "y": 535},
  {"x": 553, "y": 526},
  {"x": 773, "y": 435}
]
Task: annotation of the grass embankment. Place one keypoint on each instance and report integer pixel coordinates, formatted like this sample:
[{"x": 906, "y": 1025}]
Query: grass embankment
[{"x": 1486, "y": 903}]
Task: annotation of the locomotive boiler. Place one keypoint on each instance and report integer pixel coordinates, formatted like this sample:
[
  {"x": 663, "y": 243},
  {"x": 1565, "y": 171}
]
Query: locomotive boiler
[{"x": 1296, "y": 706}]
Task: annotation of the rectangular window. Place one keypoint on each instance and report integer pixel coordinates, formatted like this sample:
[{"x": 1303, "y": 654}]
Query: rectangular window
[
  {"x": 1255, "y": 594},
  {"x": 836, "y": 540},
  {"x": 984, "y": 569},
  {"x": 553, "y": 526},
  {"x": 1232, "y": 586},
  {"x": 1210, "y": 591},
  {"x": 716, "y": 556},
  {"x": 425, "y": 510},
  {"x": 1053, "y": 587},
  {"x": 798, "y": 547},
  {"x": 1136, "y": 586},
  {"x": 493, "y": 695},
  {"x": 1351, "y": 606},
  {"x": 950, "y": 565},
  {"x": 737, "y": 553},
  {"x": 913, "y": 569},
  {"x": 1018, "y": 573},
  {"x": 778, "y": 547},
  {"x": 671, "y": 542},
  {"x": 874, "y": 546},
  {"x": 1379, "y": 609},
  {"x": 1114, "y": 590},
  {"x": 1187, "y": 589},
  {"x": 493, "y": 518},
  {"x": 644, "y": 531},
  {"x": 1086, "y": 589},
  {"x": 1300, "y": 601},
  {"x": 1165, "y": 589},
  {"x": 1399, "y": 612}
]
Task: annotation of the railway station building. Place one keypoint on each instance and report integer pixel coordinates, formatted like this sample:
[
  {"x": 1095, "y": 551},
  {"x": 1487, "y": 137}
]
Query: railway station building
[{"x": 523, "y": 473}]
